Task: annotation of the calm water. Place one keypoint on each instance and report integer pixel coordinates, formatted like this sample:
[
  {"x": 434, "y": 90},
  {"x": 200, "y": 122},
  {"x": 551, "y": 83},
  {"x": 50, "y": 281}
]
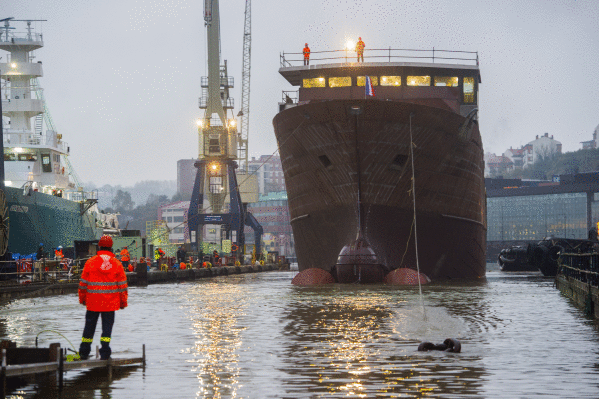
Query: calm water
[{"x": 257, "y": 336}]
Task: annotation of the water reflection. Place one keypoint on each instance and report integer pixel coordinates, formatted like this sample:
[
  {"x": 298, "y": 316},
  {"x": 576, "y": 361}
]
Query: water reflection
[
  {"x": 350, "y": 342},
  {"x": 216, "y": 308}
]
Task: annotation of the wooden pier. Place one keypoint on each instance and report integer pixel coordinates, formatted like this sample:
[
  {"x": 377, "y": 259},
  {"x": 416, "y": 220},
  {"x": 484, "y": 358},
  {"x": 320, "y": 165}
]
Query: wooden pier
[
  {"x": 58, "y": 366},
  {"x": 578, "y": 279}
]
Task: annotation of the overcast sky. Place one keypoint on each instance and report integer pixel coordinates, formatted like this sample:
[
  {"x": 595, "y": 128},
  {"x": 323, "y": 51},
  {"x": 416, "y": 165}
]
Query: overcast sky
[{"x": 122, "y": 78}]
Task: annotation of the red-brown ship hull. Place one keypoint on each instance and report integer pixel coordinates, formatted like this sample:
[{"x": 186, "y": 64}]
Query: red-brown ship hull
[{"x": 317, "y": 144}]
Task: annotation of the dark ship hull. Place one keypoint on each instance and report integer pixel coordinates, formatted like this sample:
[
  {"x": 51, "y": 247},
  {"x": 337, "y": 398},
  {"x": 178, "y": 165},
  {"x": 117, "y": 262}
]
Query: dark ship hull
[{"x": 317, "y": 144}]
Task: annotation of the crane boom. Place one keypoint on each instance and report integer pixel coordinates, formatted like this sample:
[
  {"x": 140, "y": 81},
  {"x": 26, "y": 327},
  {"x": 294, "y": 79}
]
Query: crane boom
[{"x": 245, "y": 85}]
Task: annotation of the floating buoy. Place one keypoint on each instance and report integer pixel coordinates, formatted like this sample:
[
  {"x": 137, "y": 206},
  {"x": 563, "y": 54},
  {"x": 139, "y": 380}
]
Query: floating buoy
[
  {"x": 406, "y": 276},
  {"x": 313, "y": 276}
]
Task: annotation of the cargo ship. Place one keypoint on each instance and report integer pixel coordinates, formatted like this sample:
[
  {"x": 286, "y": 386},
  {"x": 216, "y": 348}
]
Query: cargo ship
[
  {"x": 344, "y": 140},
  {"x": 44, "y": 203}
]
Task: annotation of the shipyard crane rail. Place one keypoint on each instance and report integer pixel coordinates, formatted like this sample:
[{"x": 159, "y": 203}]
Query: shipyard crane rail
[{"x": 388, "y": 54}]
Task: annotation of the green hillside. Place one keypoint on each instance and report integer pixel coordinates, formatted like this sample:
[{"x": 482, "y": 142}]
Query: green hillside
[{"x": 559, "y": 164}]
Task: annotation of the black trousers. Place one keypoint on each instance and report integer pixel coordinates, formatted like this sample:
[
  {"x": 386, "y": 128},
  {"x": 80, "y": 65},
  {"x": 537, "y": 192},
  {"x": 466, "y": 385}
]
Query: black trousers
[{"x": 91, "y": 320}]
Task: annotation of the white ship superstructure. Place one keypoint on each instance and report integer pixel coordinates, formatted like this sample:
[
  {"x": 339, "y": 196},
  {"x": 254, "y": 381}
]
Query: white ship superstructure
[{"x": 34, "y": 158}]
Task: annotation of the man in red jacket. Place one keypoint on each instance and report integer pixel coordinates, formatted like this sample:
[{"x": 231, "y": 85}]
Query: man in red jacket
[{"x": 102, "y": 289}]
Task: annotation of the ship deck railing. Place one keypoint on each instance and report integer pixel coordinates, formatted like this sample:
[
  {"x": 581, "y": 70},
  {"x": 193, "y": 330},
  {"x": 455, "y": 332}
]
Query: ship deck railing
[
  {"x": 27, "y": 138},
  {"x": 583, "y": 267},
  {"x": 382, "y": 55}
]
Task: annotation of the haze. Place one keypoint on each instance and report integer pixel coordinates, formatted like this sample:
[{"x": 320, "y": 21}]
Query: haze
[{"x": 122, "y": 78}]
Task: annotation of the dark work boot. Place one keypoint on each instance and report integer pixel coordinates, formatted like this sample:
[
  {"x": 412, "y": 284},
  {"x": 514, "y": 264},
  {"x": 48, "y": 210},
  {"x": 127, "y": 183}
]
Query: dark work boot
[
  {"x": 105, "y": 350},
  {"x": 85, "y": 348}
]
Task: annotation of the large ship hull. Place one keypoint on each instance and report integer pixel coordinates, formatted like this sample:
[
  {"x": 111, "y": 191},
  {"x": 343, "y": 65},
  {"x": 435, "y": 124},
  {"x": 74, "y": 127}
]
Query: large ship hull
[
  {"x": 323, "y": 145},
  {"x": 42, "y": 218}
]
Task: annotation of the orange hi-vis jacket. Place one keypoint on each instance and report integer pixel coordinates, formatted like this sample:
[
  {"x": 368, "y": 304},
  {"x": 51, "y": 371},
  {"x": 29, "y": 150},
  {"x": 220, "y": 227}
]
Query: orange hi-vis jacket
[
  {"x": 360, "y": 47},
  {"x": 125, "y": 255},
  {"x": 58, "y": 254},
  {"x": 306, "y": 52},
  {"x": 103, "y": 284}
]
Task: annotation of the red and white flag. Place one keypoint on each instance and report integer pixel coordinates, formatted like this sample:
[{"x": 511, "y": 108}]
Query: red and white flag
[{"x": 368, "y": 86}]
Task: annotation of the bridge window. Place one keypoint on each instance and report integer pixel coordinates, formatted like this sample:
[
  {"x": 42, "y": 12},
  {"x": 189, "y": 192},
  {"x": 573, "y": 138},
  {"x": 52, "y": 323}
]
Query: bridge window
[
  {"x": 390, "y": 80},
  {"x": 446, "y": 81},
  {"x": 314, "y": 82},
  {"x": 419, "y": 80},
  {"x": 373, "y": 79},
  {"x": 468, "y": 89},
  {"x": 344, "y": 81}
]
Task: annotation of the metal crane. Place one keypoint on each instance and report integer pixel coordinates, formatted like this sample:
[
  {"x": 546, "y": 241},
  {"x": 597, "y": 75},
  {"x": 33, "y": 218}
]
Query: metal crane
[
  {"x": 244, "y": 114},
  {"x": 218, "y": 147}
]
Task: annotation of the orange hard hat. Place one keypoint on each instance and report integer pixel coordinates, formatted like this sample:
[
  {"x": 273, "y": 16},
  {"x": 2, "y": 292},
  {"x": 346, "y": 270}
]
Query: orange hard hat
[
  {"x": 306, "y": 44},
  {"x": 359, "y": 38}
]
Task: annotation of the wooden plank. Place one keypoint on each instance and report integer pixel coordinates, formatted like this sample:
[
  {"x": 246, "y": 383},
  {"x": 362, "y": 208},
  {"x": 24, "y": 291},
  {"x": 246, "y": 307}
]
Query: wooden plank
[
  {"x": 17, "y": 370},
  {"x": 24, "y": 369}
]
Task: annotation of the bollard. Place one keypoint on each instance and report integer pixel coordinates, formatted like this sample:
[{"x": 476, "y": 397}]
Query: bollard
[{"x": 141, "y": 269}]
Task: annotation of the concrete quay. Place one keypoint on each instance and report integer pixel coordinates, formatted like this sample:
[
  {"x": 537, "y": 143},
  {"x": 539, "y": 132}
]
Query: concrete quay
[
  {"x": 584, "y": 295},
  {"x": 138, "y": 278}
]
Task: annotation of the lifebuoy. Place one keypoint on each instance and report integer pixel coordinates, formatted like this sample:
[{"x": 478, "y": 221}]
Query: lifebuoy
[{"x": 234, "y": 248}]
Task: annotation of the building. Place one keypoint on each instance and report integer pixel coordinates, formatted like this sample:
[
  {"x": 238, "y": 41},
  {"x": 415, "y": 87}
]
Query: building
[
  {"x": 539, "y": 148},
  {"x": 186, "y": 174},
  {"x": 272, "y": 212},
  {"x": 591, "y": 144},
  {"x": 521, "y": 212},
  {"x": 175, "y": 216},
  {"x": 269, "y": 172},
  {"x": 497, "y": 165}
]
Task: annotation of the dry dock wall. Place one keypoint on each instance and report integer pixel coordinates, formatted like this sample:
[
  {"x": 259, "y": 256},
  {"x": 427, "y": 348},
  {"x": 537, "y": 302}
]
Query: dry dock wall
[
  {"x": 584, "y": 296},
  {"x": 133, "y": 279}
]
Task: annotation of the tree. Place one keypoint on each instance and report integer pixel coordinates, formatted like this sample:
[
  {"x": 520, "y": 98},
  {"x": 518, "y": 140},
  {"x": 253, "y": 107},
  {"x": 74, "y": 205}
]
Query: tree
[{"x": 122, "y": 201}]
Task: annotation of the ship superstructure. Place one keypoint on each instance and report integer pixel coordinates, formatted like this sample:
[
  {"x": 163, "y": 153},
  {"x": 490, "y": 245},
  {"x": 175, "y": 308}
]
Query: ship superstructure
[{"x": 45, "y": 202}]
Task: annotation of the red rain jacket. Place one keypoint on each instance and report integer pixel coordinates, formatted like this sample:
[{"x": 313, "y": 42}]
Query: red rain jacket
[
  {"x": 125, "y": 255},
  {"x": 103, "y": 284}
]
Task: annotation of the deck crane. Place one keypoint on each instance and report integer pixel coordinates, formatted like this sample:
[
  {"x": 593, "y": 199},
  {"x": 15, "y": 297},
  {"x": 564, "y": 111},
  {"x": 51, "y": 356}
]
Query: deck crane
[{"x": 217, "y": 152}]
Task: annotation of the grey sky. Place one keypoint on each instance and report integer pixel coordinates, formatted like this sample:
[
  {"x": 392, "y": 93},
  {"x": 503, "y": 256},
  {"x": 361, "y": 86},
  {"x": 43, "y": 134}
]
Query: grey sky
[{"x": 122, "y": 78}]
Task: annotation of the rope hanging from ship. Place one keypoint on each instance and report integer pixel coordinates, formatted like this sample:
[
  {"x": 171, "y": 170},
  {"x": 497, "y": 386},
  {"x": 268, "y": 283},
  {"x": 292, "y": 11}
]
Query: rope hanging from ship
[
  {"x": 4, "y": 224},
  {"x": 414, "y": 221}
]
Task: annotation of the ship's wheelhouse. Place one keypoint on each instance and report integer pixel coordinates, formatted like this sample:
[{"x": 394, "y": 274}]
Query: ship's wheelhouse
[{"x": 453, "y": 87}]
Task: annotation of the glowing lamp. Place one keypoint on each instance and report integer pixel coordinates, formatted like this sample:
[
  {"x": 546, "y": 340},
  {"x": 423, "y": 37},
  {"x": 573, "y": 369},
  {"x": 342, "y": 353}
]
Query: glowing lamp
[
  {"x": 13, "y": 65},
  {"x": 350, "y": 45},
  {"x": 18, "y": 150},
  {"x": 232, "y": 123},
  {"x": 7, "y": 183},
  {"x": 200, "y": 123}
]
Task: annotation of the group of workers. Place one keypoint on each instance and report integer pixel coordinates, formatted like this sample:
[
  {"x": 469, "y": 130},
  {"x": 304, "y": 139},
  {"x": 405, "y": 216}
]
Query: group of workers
[{"x": 359, "y": 51}]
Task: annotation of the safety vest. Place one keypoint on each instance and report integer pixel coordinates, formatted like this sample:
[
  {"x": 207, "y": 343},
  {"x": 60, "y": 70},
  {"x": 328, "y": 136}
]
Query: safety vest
[
  {"x": 125, "y": 257},
  {"x": 360, "y": 47},
  {"x": 103, "y": 284},
  {"x": 58, "y": 254},
  {"x": 306, "y": 52}
]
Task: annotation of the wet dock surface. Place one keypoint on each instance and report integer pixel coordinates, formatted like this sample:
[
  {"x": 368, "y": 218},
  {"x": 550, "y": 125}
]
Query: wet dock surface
[{"x": 256, "y": 335}]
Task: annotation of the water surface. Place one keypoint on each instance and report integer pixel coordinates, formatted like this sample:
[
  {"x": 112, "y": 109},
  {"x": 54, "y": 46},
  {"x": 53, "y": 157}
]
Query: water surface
[{"x": 257, "y": 336}]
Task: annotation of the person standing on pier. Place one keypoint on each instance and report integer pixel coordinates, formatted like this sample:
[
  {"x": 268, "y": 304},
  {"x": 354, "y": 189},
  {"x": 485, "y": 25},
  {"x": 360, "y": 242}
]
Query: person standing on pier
[
  {"x": 306, "y": 55},
  {"x": 360, "y": 49},
  {"x": 103, "y": 290},
  {"x": 125, "y": 257}
]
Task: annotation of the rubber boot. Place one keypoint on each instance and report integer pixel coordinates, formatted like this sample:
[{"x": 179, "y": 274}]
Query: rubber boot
[
  {"x": 105, "y": 350},
  {"x": 84, "y": 350}
]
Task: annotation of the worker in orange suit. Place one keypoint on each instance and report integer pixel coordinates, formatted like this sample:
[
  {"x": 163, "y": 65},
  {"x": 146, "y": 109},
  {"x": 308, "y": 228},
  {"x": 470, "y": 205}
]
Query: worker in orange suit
[
  {"x": 306, "y": 55},
  {"x": 103, "y": 290},
  {"x": 125, "y": 257},
  {"x": 58, "y": 253},
  {"x": 360, "y": 49}
]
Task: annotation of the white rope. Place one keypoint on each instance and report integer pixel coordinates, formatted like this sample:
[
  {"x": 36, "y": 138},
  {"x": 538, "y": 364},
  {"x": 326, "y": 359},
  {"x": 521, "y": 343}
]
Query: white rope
[{"x": 415, "y": 228}]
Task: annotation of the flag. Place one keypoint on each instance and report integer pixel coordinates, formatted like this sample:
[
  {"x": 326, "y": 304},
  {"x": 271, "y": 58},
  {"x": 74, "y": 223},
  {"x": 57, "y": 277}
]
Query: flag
[{"x": 368, "y": 86}]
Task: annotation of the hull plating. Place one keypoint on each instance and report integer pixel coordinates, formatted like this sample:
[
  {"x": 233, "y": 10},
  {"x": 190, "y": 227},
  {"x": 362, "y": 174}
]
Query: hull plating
[{"x": 317, "y": 143}]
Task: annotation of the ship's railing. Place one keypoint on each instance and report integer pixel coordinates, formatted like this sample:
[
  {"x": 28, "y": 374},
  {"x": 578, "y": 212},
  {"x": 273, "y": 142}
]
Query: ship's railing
[
  {"x": 43, "y": 270},
  {"x": 27, "y": 138},
  {"x": 290, "y": 96},
  {"x": 19, "y": 36},
  {"x": 28, "y": 89},
  {"x": 382, "y": 55},
  {"x": 583, "y": 267}
]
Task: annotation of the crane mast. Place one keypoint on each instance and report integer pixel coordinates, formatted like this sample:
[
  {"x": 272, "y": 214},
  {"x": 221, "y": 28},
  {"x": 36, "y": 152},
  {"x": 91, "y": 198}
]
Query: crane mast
[
  {"x": 242, "y": 153},
  {"x": 217, "y": 153}
]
